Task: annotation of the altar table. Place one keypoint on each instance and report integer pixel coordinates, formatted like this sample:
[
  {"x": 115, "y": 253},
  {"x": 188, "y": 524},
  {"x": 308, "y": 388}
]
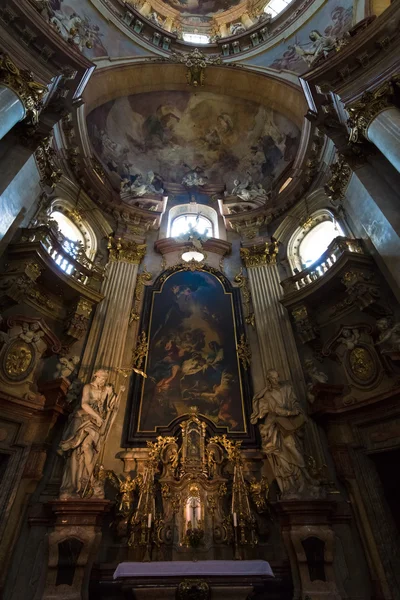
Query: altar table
[{"x": 226, "y": 579}]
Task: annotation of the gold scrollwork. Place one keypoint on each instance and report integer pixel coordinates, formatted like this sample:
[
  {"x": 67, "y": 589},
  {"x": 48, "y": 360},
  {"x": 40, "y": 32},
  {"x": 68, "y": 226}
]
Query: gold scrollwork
[
  {"x": 125, "y": 251},
  {"x": 243, "y": 283},
  {"x": 18, "y": 359},
  {"x": 30, "y": 92},
  {"x": 196, "y": 63},
  {"x": 365, "y": 110},
  {"x": 361, "y": 363},
  {"x": 264, "y": 254},
  {"x": 244, "y": 352},
  {"x": 142, "y": 278},
  {"x": 340, "y": 178},
  {"x": 193, "y": 589}
]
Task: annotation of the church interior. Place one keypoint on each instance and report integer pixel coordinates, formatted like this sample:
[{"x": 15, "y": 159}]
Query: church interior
[{"x": 199, "y": 299}]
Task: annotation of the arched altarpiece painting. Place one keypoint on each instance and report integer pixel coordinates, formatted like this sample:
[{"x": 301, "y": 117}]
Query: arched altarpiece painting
[{"x": 193, "y": 322}]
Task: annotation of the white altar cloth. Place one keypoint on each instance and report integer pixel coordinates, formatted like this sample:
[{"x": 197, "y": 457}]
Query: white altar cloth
[{"x": 201, "y": 568}]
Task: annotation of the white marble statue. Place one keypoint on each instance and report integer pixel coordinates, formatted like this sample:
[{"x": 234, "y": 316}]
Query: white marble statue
[
  {"x": 247, "y": 190},
  {"x": 349, "y": 338},
  {"x": 281, "y": 423},
  {"x": 86, "y": 433},
  {"x": 195, "y": 178},
  {"x": 389, "y": 336},
  {"x": 66, "y": 366},
  {"x": 141, "y": 185},
  {"x": 314, "y": 377},
  {"x": 321, "y": 45}
]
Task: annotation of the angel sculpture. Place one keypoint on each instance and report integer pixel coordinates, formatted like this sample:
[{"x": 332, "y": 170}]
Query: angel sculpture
[
  {"x": 349, "y": 338},
  {"x": 141, "y": 185},
  {"x": 389, "y": 336},
  {"x": 321, "y": 46},
  {"x": 126, "y": 489},
  {"x": 66, "y": 366},
  {"x": 259, "y": 491},
  {"x": 247, "y": 190}
]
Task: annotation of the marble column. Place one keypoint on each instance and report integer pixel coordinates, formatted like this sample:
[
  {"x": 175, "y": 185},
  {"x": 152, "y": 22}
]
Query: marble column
[
  {"x": 20, "y": 95},
  {"x": 275, "y": 335},
  {"x": 12, "y": 109},
  {"x": 375, "y": 118},
  {"x": 384, "y": 132},
  {"x": 105, "y": 347},
  {"x": 277, "y": 344}
]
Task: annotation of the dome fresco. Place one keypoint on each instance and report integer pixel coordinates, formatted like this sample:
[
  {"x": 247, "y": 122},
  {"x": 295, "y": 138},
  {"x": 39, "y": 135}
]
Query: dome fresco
[
  {"x": 173, "y": 132},
  {"x": 201, "y": 7}
]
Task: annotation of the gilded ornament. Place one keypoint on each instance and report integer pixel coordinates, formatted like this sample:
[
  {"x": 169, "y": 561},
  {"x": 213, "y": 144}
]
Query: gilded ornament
[
  {"x": 257, "y": 256},
  {"x": 196, "y": 63},
  {"x": 45, "y": 155},
  {"x": 124, "y": 251},
  {"x": 141, "y": 279},
  {"x": 193, "y": 589},
  {"x": 361, "y": 363},
  {"x": 340, "y": 177},
  {"x": 21, "y": 82},
  {"x": 242, "y": 282},
  {"x": 365, "y": 110},
  {"x": 18, "y": 360},
  {"x": 244, "y": 352}
]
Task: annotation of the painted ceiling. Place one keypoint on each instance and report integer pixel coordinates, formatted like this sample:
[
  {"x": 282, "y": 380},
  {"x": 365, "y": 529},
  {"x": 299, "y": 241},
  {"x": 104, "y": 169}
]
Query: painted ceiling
[
  {"x": 202, "y": 7},
  {"x": 174, "y": 132}
]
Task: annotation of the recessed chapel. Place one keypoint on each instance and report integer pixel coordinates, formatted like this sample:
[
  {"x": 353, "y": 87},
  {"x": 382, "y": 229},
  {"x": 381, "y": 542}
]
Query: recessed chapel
[{"x": 199, "y": 299}]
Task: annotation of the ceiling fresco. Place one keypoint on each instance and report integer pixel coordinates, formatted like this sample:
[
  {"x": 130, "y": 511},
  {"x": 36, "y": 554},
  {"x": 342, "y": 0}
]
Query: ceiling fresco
[
  {"x": 202, "y": 7},
  {"x": 171, "y": 133}
]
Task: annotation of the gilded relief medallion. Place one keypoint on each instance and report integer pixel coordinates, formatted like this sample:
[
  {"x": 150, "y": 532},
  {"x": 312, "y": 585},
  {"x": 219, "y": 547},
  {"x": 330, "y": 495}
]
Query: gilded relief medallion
[{"x": 18, "y": 360}]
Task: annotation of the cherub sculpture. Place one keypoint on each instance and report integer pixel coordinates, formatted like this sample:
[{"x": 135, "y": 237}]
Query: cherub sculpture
[
  {"x": 126, "y": 490},
  {"x": 389, "y": 336},
  {"x": 66, "y": 366}
]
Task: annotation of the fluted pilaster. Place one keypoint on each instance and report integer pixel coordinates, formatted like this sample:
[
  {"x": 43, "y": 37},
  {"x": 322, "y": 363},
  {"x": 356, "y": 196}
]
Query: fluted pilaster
[{"x": 275, "y": 335}]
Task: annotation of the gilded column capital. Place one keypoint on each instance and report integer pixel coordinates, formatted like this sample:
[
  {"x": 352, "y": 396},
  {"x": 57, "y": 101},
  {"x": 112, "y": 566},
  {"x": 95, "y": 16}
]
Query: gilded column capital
[
  {"x": 259, "y": 255},
  {"x": 21, "y": 82},
  {"x": 365, "y": 110},
  {"x": 124, "y": 251}
]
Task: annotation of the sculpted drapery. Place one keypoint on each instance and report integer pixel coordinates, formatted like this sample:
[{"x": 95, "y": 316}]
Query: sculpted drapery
[
  {"x": 86, "y": 433},
  {"x": 281, "y": 423}
]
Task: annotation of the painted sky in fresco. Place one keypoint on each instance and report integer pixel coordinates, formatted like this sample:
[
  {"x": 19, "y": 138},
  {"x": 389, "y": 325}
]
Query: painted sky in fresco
[{"x": 171, "y": 133}]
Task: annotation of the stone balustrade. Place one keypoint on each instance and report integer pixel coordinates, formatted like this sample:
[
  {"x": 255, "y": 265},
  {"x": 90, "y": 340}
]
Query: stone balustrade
[
  {"x": 335, "y": 250},
  {"x": 66, "y": 255}
]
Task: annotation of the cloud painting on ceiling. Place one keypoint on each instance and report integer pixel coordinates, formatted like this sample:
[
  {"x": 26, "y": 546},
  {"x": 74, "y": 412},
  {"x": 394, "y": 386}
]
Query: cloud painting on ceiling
[
  {"x": 173, "y": 132},
  {"x": 201, "y": 7}
]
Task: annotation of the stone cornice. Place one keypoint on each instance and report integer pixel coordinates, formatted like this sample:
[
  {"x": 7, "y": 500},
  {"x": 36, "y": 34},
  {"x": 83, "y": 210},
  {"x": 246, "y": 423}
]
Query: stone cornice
[{"x": 212, "y": 245}]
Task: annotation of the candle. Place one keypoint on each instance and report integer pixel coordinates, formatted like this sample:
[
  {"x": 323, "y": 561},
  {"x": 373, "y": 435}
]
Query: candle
[
  {"x": 149, "y": 521},
  {"x": 234, "y": 519}
]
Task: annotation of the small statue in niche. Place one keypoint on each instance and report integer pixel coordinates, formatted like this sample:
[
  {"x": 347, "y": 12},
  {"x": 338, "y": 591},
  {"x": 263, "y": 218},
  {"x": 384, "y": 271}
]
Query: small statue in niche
[
  {"x": 281, "y": 428},
  {"x": 349, "y": 338},
  {"x": 389, "y": 336},
  {"x": 86, "y": 433},
  {"x": 66, "y": 366}
]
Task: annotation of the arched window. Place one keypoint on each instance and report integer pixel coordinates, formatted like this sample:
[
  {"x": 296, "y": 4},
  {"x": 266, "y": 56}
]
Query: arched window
[
  {"x": 184, "y": 217},
  {"x": 72, "y": 240},
  {"x": 184, "y": 223},
  {"x": 317, "y": 240}
]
